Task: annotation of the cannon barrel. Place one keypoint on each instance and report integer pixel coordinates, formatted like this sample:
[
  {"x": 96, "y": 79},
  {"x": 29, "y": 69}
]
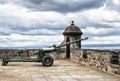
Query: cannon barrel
[
  {"x": 75, "y": 41},
  {"x": 54, "y": 47}
]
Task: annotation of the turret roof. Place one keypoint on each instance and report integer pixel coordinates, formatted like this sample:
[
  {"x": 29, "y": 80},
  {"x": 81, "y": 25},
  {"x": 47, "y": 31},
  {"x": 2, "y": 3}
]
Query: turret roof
[{"x": 72, "y": 30}]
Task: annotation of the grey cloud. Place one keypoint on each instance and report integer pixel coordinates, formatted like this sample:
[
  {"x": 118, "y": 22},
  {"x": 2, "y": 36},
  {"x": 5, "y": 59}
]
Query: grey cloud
[
  {"x": 3, "y": 1},
  {"x": 40, "y": 29},
  {"x": 89, "y": 23},
  {"x": 58, "y": 5},
  {"x": 42, "y": 32},
  {"x": 107, "y": 32},
  {"x": 112, "y": 33},
  {"x": 97, "y": 25},
  {"x": 116, "y": 21},
  {"x": 29, "y": 31},
  {"x": 36, "y": 29},
  {"x": 67, "y": 6}
]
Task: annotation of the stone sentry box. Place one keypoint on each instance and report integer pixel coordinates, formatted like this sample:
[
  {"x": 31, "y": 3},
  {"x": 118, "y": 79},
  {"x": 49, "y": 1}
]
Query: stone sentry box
[{"x": 99, "y": 59}]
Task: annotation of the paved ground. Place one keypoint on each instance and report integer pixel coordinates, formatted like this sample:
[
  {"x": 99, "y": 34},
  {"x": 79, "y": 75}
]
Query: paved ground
[{"x": 62, "y": 70}]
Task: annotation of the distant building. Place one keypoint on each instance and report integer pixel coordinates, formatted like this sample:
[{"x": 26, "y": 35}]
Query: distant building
[{"x": 72, "y": 33}]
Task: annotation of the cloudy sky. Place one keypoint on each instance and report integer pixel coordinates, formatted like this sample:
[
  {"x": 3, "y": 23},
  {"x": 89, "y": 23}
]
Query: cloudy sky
[{"x": 36, "y": 23}]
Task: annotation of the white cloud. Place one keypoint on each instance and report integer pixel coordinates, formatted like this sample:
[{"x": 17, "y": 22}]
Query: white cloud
[
  {"x": 96, "y": 31},
  {"x": 103, "y": 40},
  {"x": 17, "y": 40},
  {"x": 113, "y": 5},
  {"x": 101, "y": 31},
  {"x": 17, "y": 15},
  {"x": 102, "y": 14},
  {"x": 117, "y": 2}
]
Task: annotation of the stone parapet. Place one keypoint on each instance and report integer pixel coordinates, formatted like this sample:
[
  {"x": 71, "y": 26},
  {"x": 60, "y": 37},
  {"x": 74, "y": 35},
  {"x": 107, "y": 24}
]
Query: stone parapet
[
  {"x": 99, "y": 59},
  {"x": 108, "y": 61}
]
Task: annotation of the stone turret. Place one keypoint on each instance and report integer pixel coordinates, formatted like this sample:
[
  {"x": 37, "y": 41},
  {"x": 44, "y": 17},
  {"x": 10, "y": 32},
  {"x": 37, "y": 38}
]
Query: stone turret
[{"x": 72, "y": 33}]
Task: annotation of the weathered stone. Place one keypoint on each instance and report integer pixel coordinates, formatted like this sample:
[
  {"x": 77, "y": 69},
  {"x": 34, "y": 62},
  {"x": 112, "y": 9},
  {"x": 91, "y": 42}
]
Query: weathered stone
[{"x": 96, "y": 59}]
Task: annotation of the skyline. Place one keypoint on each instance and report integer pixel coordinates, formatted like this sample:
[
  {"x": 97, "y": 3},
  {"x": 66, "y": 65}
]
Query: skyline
[{"x": 37, "y": 23}]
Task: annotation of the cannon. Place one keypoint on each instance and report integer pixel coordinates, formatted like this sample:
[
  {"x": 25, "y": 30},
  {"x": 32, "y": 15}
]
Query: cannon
[{"x": 42, "y": 55}]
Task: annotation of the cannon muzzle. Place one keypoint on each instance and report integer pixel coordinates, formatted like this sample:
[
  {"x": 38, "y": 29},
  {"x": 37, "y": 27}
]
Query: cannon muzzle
[{"x": 75, "y": 41}]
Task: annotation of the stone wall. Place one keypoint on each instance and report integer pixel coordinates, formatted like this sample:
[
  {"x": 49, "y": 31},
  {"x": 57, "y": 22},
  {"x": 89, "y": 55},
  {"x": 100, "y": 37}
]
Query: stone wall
[
  {"x": 99, "y": 59},
  {"x": 16, "y": 53}
]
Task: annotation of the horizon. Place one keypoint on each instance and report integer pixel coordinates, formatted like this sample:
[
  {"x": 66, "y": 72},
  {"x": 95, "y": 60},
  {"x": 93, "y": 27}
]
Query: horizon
[{"x": 87, "y": 46}]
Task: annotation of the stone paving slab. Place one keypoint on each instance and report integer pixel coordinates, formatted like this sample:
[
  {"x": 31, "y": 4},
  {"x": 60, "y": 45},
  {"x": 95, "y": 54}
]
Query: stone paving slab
[{"x": 62, "y": 70}]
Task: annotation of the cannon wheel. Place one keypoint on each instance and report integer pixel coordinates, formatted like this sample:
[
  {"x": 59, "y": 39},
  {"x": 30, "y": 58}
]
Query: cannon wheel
[
  {"x": 4, "y": 63},
  {"x": 47, "y": 60}
]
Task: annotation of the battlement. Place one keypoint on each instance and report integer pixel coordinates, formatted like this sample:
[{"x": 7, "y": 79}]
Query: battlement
[
  {"x": 105, "y": 60},
  {"x": 108, "y": 61}
]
